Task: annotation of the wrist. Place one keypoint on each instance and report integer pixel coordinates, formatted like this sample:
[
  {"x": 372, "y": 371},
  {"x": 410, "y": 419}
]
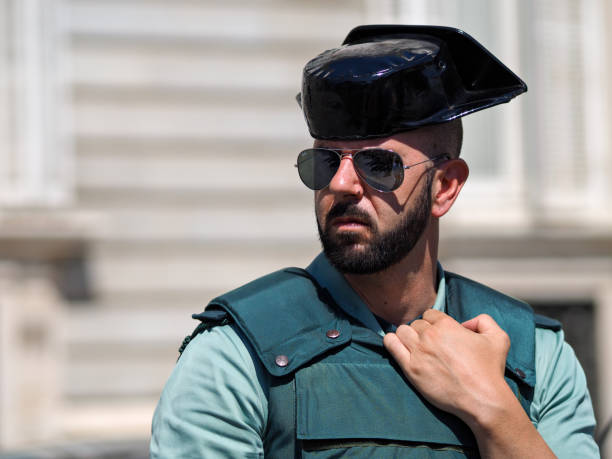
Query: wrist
[
  {"x": 503, "y": 429},
  {"x": 496, "y": 413}
]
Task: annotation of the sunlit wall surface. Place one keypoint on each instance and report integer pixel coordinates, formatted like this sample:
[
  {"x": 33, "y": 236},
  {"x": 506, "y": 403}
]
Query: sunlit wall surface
[{"x": 146, "y": 165}]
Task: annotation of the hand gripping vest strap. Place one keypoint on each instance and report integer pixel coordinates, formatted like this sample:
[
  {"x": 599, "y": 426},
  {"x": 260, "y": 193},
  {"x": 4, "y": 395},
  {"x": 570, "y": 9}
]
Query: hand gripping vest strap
[
  {"x": 286, "y": 313},
  {"x": 467, "y": 299}
]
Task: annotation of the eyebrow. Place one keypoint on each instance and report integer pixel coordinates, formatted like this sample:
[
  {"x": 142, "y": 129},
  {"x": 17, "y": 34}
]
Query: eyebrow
[{"x": 373, "y": 147}]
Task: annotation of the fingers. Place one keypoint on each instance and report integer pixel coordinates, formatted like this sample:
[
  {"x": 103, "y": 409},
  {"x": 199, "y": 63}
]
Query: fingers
[
  {"x": 420, "y": 325},
  {"x": 434, "y": 324},
  {"x": 396, "y": 348},
  {"x": 408, "y": 334},
  {"x": 399, "y": 343}
]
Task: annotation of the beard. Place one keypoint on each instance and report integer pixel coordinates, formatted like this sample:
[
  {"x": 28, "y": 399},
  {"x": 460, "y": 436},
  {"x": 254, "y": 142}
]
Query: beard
[{"x": 384, "y": 249}]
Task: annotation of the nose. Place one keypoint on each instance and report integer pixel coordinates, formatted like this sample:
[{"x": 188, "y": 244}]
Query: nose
[{"x": 346, "y": 181}]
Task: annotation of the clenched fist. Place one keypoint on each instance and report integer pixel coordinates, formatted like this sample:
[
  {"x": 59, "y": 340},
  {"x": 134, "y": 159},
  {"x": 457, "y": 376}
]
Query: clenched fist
[
  {"x": 457, "y": 367},
  {"x": 460, "y": 369}
]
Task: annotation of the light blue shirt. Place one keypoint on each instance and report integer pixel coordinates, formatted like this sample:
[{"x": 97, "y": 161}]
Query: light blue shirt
[{"x": 215, "y": 403}]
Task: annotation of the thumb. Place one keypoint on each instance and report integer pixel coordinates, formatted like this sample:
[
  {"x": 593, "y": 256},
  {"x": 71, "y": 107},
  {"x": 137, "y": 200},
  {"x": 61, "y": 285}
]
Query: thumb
[{"x": 482, "y": 324}]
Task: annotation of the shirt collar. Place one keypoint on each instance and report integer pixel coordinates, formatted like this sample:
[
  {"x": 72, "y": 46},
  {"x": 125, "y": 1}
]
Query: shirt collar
[{"x": 350, "y": 302}]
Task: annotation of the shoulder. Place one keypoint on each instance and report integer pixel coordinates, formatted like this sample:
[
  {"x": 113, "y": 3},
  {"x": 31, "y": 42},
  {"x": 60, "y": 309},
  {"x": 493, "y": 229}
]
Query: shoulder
[
  {"x": 286, "y": 314},
  {"x": 282, "y": 295},
  {"x": 562, "y": 410},
  {"x": 215, "y": 343},
  {"x": 550, "y": 347},
  {"x": 214, "y": 401},
  {"x": 220, "y": 353},
  {"x": 555, "y": 358}
]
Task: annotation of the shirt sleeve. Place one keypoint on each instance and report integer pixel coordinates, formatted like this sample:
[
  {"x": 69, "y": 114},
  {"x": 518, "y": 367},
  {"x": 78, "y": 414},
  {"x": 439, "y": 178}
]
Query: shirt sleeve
[
  {"x": 214, "y": 403},
  {"x": 561, "y": 410}
]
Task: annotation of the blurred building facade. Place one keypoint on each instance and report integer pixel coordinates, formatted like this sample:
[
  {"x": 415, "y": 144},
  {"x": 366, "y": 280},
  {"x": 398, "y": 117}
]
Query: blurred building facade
[{"x": 146, "y": 165}]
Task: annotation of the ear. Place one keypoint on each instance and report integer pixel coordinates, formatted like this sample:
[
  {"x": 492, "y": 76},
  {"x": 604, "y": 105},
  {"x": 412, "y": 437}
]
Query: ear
[{"x": 450, "y": 178}]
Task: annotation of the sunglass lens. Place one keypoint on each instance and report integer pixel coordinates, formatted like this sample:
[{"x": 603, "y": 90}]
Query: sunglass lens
[
  {"x": 317, "y": 167},
  {"x": 381, "y": 169}
]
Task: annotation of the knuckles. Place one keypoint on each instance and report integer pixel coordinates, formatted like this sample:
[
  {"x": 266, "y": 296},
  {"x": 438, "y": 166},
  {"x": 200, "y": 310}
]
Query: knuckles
[
  {"x": 504, "y": 340},
  {"x": 430, "y": 334},
  {"x": 403, "y": 330},
  {"x": 434, "y": 315}
]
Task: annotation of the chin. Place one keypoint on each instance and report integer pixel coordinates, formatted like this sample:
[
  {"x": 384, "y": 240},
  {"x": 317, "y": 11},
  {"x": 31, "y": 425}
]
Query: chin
[{"x": 354, "y": 250}]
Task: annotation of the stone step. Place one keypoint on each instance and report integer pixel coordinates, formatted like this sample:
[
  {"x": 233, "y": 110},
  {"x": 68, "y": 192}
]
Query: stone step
[
  {"x": 177, "y": 303},
  {"x": 222, "y": 93},
  {"x": 256, "y": 225},
  {"x": 111, "y": 376},
  {"x": 123, "y": 354},
  {"x": 201, "y": 269},
  {"x": 106, "y": 418},
  {"x": 232, "y": 20},
  {"x": 188, "y": 148},
  {"x": 136, "y": 328},
  {"x": 185, "y": 170},
  {"x": 102, "y": 199},
  {"x": 156, "y": 120},
  {"x": 91, "y": 449},
  {"x": 207, "y": 173},
  {"x": 134, "y": 67}
]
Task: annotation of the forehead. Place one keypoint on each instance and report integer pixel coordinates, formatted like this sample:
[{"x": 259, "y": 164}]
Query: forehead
[{"x": 405, "y": 143}]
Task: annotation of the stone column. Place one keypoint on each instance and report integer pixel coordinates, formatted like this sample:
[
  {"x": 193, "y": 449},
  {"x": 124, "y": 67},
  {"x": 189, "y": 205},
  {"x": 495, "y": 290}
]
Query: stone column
[
  {"x": 31, "y": 355},
  {"x": 36, "y": 163},
  {"x": 36, "y": 284}
]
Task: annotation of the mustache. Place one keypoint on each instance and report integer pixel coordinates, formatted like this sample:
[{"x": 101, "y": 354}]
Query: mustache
[{"x": 350, "y": 210}]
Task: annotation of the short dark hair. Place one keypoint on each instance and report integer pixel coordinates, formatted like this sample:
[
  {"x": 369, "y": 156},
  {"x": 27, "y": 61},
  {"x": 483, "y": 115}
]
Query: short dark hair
[
  {"x": 455, "y": 137},
  {"x": 446, "y": 138}
]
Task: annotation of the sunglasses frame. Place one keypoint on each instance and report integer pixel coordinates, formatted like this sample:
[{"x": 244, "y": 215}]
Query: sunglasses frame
[{"x": 353, "y": 152}]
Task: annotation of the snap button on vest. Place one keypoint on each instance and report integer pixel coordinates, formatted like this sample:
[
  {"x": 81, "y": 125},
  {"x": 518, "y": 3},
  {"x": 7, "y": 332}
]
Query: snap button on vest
[
  {"x": 333, "y": 334},
  {"x": 282, "y": 360}
]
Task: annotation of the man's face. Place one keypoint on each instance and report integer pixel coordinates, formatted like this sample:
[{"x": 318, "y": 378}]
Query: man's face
[{"x": 364, "y": 231}]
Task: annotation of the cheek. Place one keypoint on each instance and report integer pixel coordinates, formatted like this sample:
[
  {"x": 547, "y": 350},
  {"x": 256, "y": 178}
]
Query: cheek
[
  {"x": 387, "y": 205},
  {"x": 320, "y": 204}
]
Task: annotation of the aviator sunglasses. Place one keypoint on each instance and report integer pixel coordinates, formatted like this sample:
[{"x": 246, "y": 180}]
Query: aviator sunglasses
[{"x": 381, "y": 169}]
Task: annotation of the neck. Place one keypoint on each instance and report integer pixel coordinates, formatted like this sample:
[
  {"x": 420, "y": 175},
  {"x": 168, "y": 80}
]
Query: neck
[{"x": 405, "y": 290}]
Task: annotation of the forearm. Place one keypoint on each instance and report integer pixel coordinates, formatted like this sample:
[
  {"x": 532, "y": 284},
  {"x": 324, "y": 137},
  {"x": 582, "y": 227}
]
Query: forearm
[{"x": 503, "y": 430}]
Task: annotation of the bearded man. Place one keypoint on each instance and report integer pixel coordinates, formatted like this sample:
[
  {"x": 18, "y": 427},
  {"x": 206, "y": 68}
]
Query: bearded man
[{"x": 374, "y": 350}]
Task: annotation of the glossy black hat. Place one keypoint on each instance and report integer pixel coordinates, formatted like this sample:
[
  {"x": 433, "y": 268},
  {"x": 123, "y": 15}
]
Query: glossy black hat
[{"x": 386, "y": 79}]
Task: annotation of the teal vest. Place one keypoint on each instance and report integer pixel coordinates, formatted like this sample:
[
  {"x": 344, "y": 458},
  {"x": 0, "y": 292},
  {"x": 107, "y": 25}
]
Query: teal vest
[{"x": 334, "y": 389}]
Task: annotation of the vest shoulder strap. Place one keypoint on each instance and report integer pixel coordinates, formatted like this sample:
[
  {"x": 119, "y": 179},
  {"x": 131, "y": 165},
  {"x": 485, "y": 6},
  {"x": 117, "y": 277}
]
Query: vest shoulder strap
[
  {"x": 285, "y": 316},
  {"x": 547, "y": 323},
  {"x": 208, "y": 319}
]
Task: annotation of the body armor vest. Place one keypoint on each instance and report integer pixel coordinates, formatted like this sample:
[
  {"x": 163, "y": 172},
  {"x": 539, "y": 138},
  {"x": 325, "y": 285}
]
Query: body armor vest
[{"x": 335, "y": 390}]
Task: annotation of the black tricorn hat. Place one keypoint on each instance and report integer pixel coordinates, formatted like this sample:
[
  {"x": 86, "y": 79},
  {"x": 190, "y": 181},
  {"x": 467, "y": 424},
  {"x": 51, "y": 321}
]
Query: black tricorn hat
[{"x": 385, "y": 79}]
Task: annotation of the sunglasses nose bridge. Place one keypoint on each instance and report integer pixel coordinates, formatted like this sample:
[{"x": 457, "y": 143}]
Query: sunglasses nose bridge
[
  {"x": 346, "y": 178},
  {"x": 346, "y": 154}
]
